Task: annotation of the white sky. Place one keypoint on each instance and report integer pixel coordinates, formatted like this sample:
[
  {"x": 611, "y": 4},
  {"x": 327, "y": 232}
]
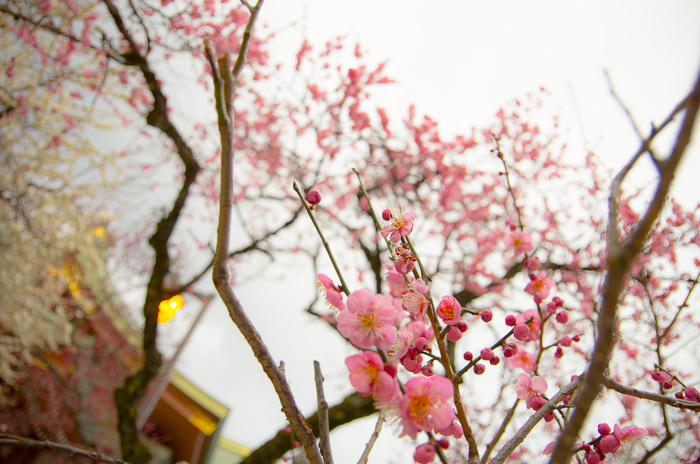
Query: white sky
[{"x": 458, "y": 61}]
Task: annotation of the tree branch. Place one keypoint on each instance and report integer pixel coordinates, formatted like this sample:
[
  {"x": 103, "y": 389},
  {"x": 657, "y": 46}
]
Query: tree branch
[
  {"x": 225, "y": 81},
  {"x": 12, "y": 440},
  {"x": 619, "y": 260},
  {"x": 670, "y": 401},
  {"x": 353, "y": 407},
  {"x": 135, "y": 385},
  {"x": 533, "y": 420},
  {"x": 323, "y": 426}
]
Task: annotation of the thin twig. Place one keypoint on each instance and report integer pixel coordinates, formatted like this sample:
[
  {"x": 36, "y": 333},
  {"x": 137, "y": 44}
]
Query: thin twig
[
  {"x": 323, "y": 426},
  {"x": 499, "y": 433},
  {"x": 668, "y": 400},
  {"x": 13, "y": 440},
  {"x": 372, "y": 439},
  {"x": 344, "y": 286},
  {"x": 501, "y": 156}
]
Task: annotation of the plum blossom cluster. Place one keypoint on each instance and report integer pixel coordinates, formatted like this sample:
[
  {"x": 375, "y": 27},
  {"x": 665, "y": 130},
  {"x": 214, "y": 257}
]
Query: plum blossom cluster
[
  {"x": 611, "y": 441},
  {"x": 397, "y": 332}
]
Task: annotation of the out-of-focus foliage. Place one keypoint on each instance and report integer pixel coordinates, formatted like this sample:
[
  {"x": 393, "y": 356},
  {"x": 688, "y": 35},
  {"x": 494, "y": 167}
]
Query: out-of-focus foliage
[{"x": 49, "y": 167}]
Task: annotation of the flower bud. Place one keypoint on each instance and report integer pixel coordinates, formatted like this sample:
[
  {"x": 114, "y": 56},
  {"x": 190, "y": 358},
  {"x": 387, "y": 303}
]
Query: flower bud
[{"x": 313, "y": 197}]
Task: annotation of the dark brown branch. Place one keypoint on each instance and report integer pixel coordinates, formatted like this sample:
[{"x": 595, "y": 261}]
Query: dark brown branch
[
  {"x": 619, "y": 260},
  {"x": 225, "y": 81},
  {"x": 135, "y": 385},
  {"x": 353, "y": 407},
  {"x": 666, "y": 440},
  {"x": 12, "y": 440}
]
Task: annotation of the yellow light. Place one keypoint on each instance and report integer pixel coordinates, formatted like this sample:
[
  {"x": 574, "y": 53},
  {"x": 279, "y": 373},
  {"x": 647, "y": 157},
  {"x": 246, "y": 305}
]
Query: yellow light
[{"x": 168, "y": 308}]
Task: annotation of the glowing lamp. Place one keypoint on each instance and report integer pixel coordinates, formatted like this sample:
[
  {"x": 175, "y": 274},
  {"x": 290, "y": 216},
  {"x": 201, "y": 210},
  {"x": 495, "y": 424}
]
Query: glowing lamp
[{"x": 168, "y": 308}]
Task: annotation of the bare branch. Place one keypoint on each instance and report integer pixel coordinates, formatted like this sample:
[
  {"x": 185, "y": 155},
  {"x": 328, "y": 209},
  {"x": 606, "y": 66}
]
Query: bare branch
[
  {"x": 372, "y": 439},
  {"x": 323, "y": 426},
  {"x": 499, "y": 433},
  {"x": 670, "y": 401},
  {"x": 343, "y": 284},
  {"x": 225, "y": 81},
  {"x": 533, "y": 420},
  {"x": 12, "y": 440},
  {"x": 619, "y": 260}
]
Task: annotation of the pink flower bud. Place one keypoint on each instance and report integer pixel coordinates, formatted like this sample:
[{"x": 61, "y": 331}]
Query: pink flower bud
[
  {"x": 479, "y": 368},
  {"x": 443, "y": 443},
  {"x": 495, "y": 360},
  {"x": 313, "y": 197},
  {"x": 522, "y": 332},
  {"x": 468, "y": 356},
  {"x": 424, "y": 454},
  {"x": 421, "y": 344},
  {"x": 486, "y": 315},
  {"x": 386, "y": 214},
  {"x": 390, "y": 369},
  {"x": 562, "y": 317},
  {"x": 510, "y": 320},
  {"x": 486, "y": 354},
  {"x": 454, "y": 334},
  {"x": 510, "y": 350},
  {"x": 536, "y": 402},
  {"x": 604, "y": 429},
  {"x": 608, "y": 444}
]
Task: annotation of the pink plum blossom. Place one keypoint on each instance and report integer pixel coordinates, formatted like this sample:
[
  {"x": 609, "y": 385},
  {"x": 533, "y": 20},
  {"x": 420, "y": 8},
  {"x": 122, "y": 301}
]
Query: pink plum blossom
[
  {"x": 415, "y": 303},
  {"x": 369, "y": 320},
  {"x": 523, "y": 360},
  {"x": 628, "y": 432},
  {"x": 449, "y": 310},
  {"x": 368, "y": 377},
  {"x": 424, "y": 453},
  {"x": 332, "y": 292},
  {"x": 530, "y": 318},
  {"x": 520, "y": 242},
  {"x": 405, "y": 259},
  {"x": 532, "y": 264},
  {"x": 401, "y": 225},
  {"x": 398, "y": 285},
  {"x": 528, "y": 388},
  {"x": 539, "y": 286},
  {"x": 425, "y": 405}
]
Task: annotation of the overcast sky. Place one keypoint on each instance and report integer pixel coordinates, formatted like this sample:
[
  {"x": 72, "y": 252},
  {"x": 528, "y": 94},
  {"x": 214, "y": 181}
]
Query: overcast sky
[{"x": 458, "y": 61}]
